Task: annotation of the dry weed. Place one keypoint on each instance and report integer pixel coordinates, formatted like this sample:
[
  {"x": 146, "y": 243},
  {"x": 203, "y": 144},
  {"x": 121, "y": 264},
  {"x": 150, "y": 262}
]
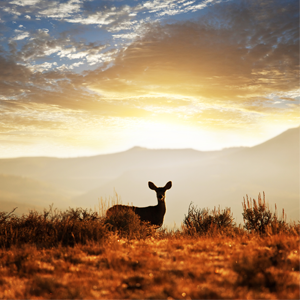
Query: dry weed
[
  {"x": 159, "y": 268},
  {"x": 79, "y": 254}
]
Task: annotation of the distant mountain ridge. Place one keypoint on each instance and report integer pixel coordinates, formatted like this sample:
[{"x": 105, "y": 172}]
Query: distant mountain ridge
[
  {"x": 85, "y": 172},
  {"x": 206, "y": 178}
]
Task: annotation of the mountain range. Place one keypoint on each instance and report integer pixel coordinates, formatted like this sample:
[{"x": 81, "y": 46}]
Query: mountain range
[{"x": 207, "y": 179}]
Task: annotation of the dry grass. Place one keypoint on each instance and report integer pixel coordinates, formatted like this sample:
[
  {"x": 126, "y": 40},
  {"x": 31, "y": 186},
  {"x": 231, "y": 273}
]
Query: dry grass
[
  {"x": 80, "y": 254},
  {"x": 245, "y": 267}
]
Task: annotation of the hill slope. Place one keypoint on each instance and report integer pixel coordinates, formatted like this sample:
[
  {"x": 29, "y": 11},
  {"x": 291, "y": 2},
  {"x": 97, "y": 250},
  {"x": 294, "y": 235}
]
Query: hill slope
[
  {"x": 81, "y": 174},
  {"x": 272, "y": 167},
  {"x": 206, "y": 178}
]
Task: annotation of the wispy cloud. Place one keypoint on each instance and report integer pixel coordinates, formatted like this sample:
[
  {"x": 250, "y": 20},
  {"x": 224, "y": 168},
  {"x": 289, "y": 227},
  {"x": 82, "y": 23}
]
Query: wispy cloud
[
  {"x": 202, "y": 59},
  {"x": 24, "y": 2},
  {"x": 61, "y": 10},
  {"x": 20, "y": 35}
]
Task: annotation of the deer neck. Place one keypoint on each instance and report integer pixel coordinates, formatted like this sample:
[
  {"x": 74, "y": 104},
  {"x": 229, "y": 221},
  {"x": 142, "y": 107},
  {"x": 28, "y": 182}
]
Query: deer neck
[{"x": 161, "y": 206}]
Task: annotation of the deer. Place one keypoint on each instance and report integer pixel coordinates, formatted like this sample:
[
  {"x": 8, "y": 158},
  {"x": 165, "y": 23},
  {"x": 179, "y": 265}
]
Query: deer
[{"x": 152, "y": 214}]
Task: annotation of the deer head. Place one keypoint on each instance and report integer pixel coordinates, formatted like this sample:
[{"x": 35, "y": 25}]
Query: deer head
[{"x": 160, "y": 191}]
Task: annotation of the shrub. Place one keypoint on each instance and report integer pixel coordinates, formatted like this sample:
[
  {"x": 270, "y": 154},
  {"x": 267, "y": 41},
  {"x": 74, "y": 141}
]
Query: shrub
[
  {"x": 51, "y": 228},
  {"x": 259, "y": 219},
  {"x": 127, "y": 224},
  {"x": 204, "y": 221}
]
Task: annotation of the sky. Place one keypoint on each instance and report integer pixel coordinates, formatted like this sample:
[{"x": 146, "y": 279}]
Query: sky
[{"x": 85, "y": 77}]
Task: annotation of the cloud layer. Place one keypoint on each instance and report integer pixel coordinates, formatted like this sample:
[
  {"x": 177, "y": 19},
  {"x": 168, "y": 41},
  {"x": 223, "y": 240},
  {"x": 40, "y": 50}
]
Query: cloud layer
[
  {"x": 251, "y": 55},
  {"x": 110, "y": 65}
]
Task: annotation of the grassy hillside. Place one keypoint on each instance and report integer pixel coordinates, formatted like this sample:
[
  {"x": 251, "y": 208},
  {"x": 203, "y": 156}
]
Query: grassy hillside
[
  {"x": 77, "y": 254},
  {"x": 248, "y": 267}
]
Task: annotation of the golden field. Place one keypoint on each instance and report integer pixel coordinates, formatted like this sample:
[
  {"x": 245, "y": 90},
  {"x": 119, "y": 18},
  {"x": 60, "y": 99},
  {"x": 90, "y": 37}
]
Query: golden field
[
  {"x": 78, "y": 254},
  {"x": 170, "y": 267}
]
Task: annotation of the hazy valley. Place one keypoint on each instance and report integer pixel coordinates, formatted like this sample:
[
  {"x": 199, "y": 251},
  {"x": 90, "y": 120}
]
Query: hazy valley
[{"x": 207, "y": 179}]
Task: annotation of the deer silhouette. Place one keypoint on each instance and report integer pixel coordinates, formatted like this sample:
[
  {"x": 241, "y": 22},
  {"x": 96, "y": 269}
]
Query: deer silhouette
[{"x": 153, "y": 214}]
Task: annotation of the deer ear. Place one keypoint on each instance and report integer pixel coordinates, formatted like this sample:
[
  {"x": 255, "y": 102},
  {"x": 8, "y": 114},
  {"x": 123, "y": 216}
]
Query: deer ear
[
  {"x": 168, "y": 185},
  {"x": 152, "y": 186}
]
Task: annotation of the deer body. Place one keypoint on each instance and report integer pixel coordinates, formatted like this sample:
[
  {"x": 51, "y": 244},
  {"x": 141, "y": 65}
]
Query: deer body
[{"x": 153, "y": 214}]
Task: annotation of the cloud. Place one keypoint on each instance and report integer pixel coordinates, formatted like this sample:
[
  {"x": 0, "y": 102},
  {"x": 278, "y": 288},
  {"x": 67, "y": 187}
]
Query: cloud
[
  {"x": 20, "y": 35},
  {"x": 27, "y": 89},
  {"x": 236, "y": 51},
  {"x": 131, "y": 36},
  {"x": 41, "y": 45},
  {"x": 12, "y": 77},
  {"x": 43, "y": 67},
  {"x": 227, "y": 68},
  {"x": 61, "y": 10},
  {"x": 11, "y": 10},
  {"x": 75, "y": 65},
  {"x": 24, "y": 2},
  {"x": 173, "y": 7},
  {"x": 110, "y": 15}
]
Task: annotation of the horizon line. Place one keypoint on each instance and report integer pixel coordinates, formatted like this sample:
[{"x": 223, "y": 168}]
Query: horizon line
[{"x": 151, "y": 149}]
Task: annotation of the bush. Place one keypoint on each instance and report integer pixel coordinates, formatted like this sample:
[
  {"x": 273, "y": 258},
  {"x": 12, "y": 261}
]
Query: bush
[
  {"x": 127, "y": 224},
  {"x": 259, "y": 219},
  {"x": 51, "y": 228},
  {"x": 204, "y": 221}
]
